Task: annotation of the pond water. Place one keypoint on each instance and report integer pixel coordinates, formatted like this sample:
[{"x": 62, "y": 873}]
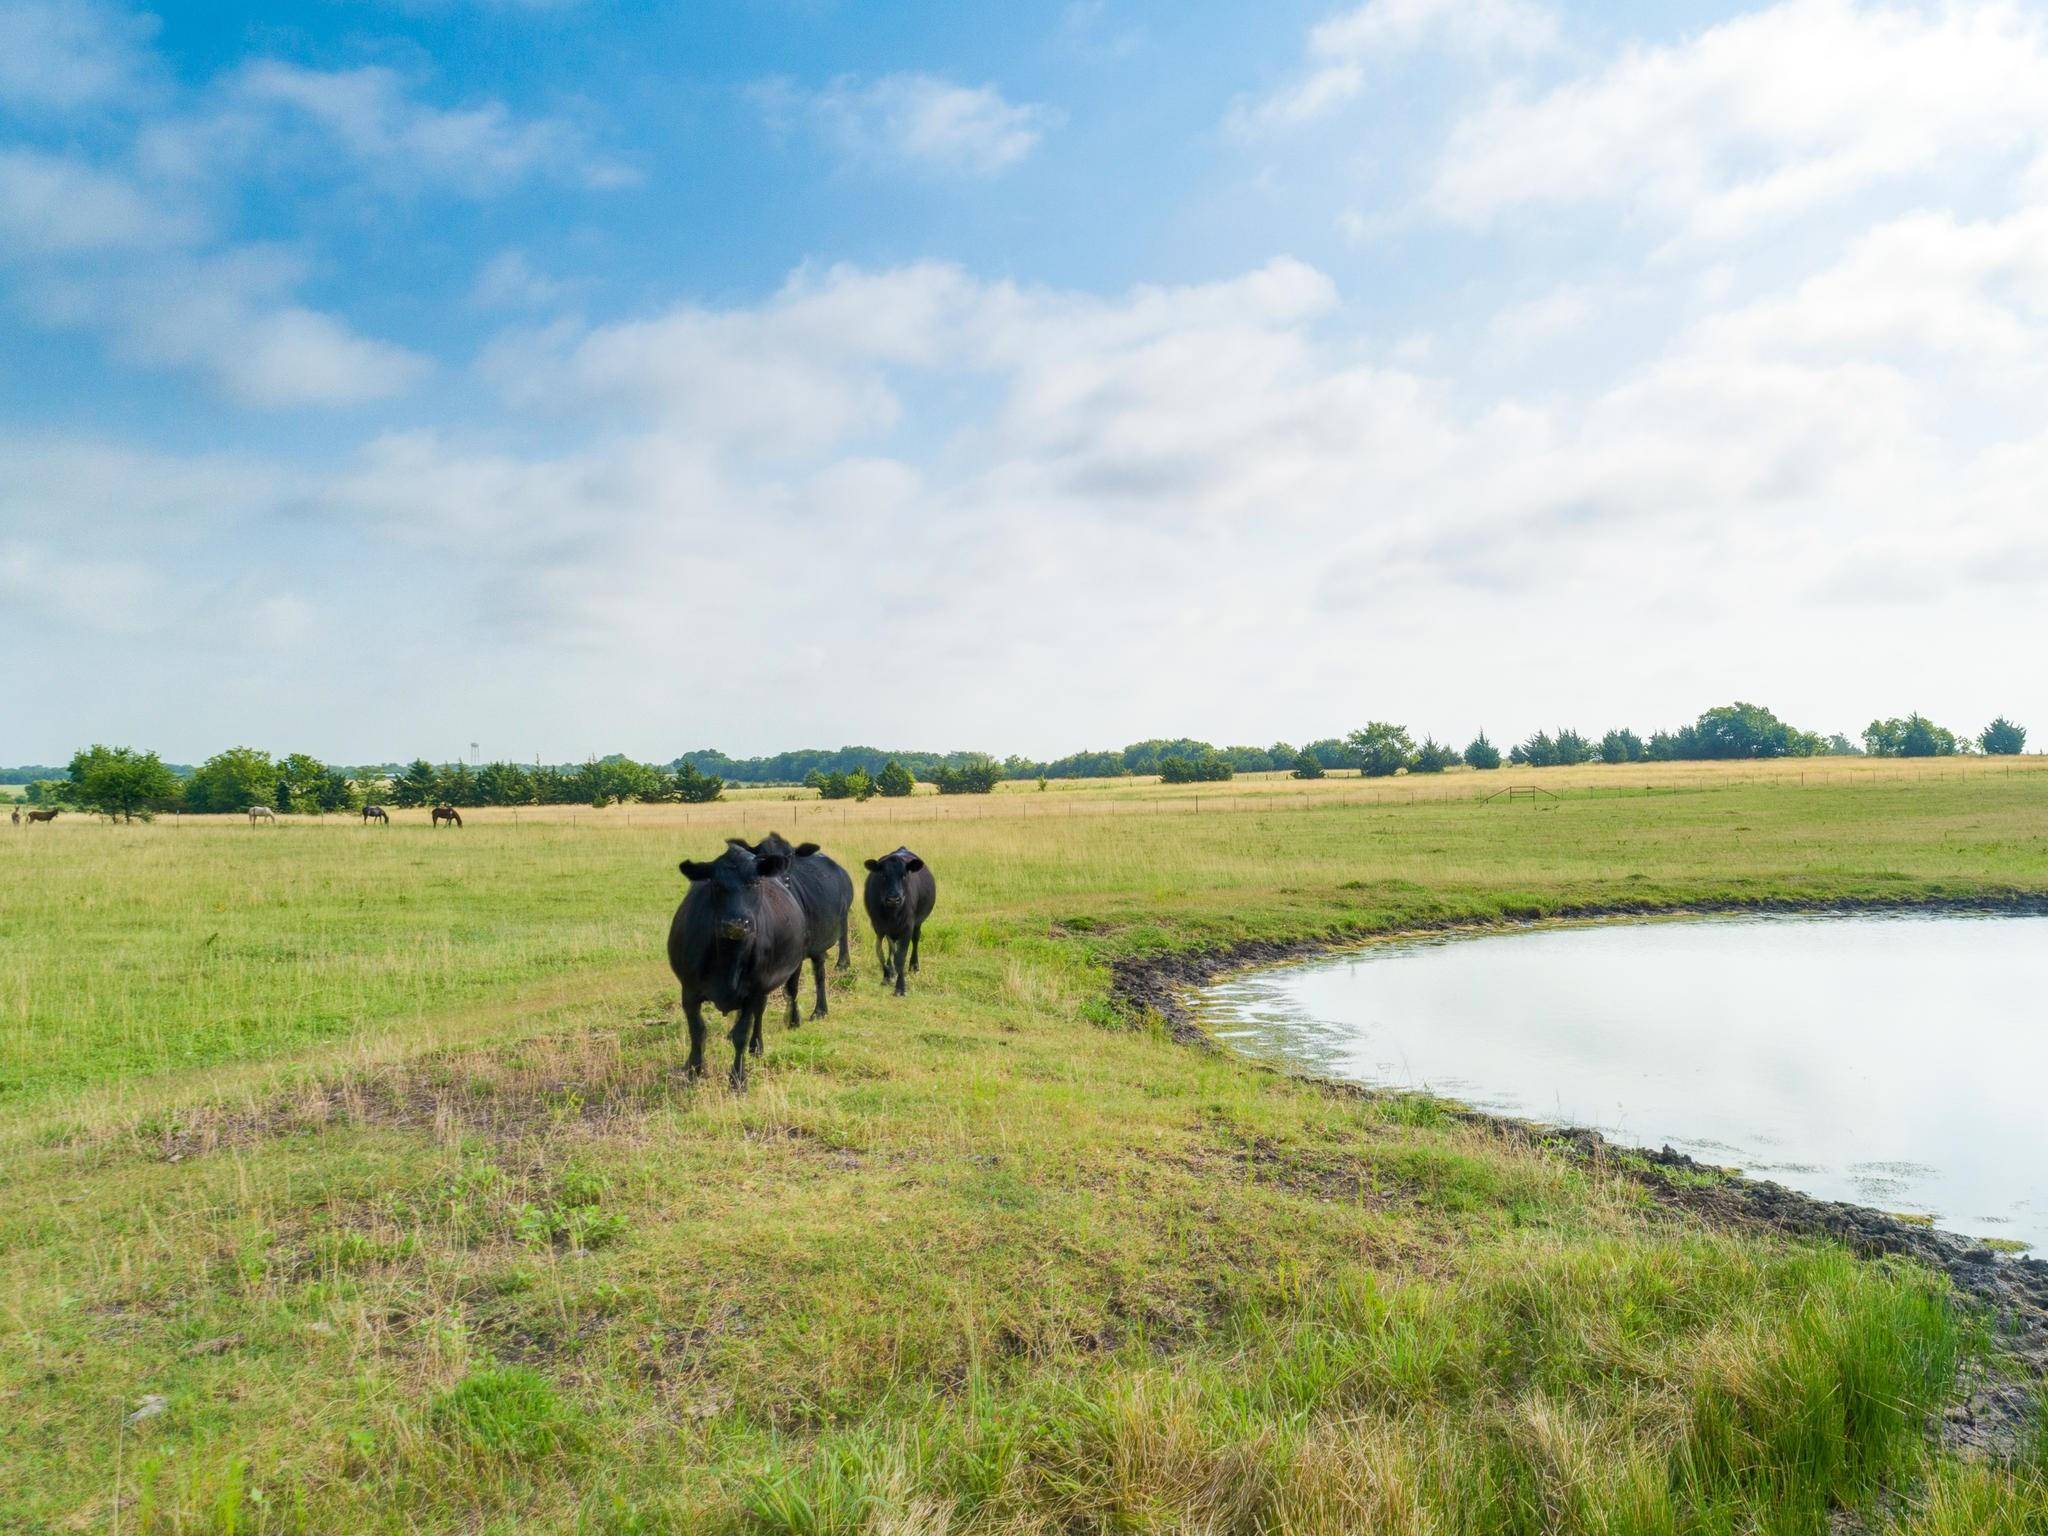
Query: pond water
[{"x": 1897, "y": 1061}]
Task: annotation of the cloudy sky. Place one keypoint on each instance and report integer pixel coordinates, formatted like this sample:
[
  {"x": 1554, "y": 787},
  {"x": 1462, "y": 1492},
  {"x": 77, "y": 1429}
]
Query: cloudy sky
[{"x": 577, "y": 377}]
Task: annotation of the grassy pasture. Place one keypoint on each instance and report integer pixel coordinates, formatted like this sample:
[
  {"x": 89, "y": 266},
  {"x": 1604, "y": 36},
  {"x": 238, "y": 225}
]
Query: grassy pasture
[{"x": 358, "y": 1161}]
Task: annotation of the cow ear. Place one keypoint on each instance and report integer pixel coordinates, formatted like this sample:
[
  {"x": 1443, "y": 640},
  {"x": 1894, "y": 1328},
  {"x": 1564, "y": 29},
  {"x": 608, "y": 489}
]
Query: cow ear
[
  {"x": 874, "y": 863},
  {"x": 805, "y": 850},
  {"x": 740, "y": 843},
  {"x": 770, "y": 864},
  {"x": 913, "y": 865},
  {"x": 694, "y": 870}
]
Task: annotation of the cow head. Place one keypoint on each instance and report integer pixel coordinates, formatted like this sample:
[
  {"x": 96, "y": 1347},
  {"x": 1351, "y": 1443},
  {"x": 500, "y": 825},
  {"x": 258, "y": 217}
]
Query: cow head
[
  {"x": 730, "y": 880},
  {"x": 775, "y": 843},
  {"x": 887, "y": 875}
]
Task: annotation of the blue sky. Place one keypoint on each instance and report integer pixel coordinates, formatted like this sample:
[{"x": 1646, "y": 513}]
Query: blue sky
[{"x": 572, "y": 377}]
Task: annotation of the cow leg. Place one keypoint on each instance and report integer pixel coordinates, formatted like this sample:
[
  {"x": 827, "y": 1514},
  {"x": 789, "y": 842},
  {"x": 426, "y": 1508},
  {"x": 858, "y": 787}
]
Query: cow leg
[
  {"x": 693, "y": 1010},
  {"x": 740, "y": 1034},
  {"x": 902, "y": 956},
  {"x": 789, "y": 992},
  {"x": 881, "y": 955},
  {"x": 916, "y": 937},
  {"x": 845, "y": 928},
  {"x": 818, "y": 975}
]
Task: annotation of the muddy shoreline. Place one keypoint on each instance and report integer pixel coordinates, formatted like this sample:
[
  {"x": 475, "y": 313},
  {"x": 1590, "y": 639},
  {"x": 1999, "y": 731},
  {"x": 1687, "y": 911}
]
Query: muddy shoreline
[{"x": 1993, "y": 1415}]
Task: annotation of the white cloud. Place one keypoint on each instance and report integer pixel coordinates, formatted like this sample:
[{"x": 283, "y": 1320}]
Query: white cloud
[
  {"x": 374, "y": 116},
  {"x": 231, "y": 317},
  {"x": 1480, "y": 27},
  {"x": 52, "y": 206},
  {"x": 915, "y": 120},
  {"x": 1341, "y": 50},
  {"x": 510, "y": 281},
  {"x": 64, "y": 55},
  {"x": 1766, "y": 116}
]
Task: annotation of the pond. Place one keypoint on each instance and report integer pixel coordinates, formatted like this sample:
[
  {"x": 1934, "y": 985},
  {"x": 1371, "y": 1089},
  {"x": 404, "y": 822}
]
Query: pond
[{"x": 1897, "y": 1061}]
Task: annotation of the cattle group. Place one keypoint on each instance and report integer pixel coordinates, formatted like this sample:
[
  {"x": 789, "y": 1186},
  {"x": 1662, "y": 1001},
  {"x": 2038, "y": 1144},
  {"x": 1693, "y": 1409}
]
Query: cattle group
[{"x": 755, "y": 913}]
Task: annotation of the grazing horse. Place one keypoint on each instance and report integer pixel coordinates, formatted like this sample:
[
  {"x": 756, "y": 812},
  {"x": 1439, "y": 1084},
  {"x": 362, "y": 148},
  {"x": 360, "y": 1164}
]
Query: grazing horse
[
  {"x": 15, "y": 815},
  {"x": 42, "y": 815},
  {"x": 447, "y": 813},
  {"x": 376, "y": 813},
  {"x": 262, "y": 813}
]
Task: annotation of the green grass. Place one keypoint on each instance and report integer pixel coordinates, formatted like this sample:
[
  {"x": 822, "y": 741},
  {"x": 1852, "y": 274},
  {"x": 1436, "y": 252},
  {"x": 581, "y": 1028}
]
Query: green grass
[{"x": 369, "y": 1153}]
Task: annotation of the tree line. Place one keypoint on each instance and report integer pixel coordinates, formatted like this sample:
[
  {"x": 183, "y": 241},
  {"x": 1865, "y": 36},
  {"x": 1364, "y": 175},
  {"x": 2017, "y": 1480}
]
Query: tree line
[{"x": 126, "y": 782}]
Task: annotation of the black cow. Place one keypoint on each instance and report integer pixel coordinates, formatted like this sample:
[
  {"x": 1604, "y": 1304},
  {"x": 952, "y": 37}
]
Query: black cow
[
  {"x": 825, "y": 892},
  {"x": 899, "y": 896},
  {"x": 738, "y": 936}
]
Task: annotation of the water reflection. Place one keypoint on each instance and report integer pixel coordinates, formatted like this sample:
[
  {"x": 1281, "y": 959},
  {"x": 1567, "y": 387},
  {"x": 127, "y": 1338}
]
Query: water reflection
[{"x": 1897, "y": 1061}]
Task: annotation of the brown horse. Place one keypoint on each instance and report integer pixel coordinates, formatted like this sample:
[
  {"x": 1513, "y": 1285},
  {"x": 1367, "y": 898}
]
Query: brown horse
[
  {"x": 50, "y": 815},
  {"x": 376, "y": 813},
  {"x": 447, "y": 813}
]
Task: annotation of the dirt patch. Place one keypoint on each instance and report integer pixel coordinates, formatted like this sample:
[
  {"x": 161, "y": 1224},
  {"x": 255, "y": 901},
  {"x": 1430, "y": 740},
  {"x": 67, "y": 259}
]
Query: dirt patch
[{"x": 1993, "y": 1415}]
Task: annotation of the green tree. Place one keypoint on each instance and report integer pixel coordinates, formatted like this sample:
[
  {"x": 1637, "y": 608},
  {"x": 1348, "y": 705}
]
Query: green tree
[
  {"x": 232, "y": 781},
  {"x": 1381, "y": 749},
  {"x": 1307, "y": 765},
  {"x": 504, "y": 784},
  {"x": 300, "y": 781},
  {"x": 1432, "y": 757},
  {"x": 2001, "y": 738},
  {"x": 418, "y": 785},
  {"x": 1914, "y": 736},
  {"x": 337, "y": 791},
  {"x": 1539, "y": 751},
  {"x": 1623, "y": 746},
  {"x": 1481, "y": 753},
  {"x": 895, "y": 781},
  {"x": 1572, "y": 748},
  {"x": 49, "y": 792},
  {"x": 119, "y": 781},
  {"x": 1740, "y": 730},
  {"x": 1205, "y": 767},
  {"x": 695, "y": 788}
]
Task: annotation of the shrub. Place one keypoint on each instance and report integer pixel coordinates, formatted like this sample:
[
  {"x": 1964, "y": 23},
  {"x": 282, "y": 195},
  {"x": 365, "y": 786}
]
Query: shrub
[
  {"x": 1307, "y": 765},
  {"x": 895, "y": 781},
  {"x": 1381, "y": 748},
  {"x": 973, "y": 775},
  {"x": 855, "y": 785},
  {"x": 1481, "y": 753},
  {"x": 2001, "y": 738}
]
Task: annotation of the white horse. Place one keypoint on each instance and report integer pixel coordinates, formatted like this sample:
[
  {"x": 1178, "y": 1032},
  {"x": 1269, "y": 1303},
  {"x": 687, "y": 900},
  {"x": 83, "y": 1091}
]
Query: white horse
[{"x": 262, "y": 813}]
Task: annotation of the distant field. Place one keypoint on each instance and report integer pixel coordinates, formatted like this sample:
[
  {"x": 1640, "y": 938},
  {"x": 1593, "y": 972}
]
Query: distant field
[{"x": 365, "y": 1149}]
